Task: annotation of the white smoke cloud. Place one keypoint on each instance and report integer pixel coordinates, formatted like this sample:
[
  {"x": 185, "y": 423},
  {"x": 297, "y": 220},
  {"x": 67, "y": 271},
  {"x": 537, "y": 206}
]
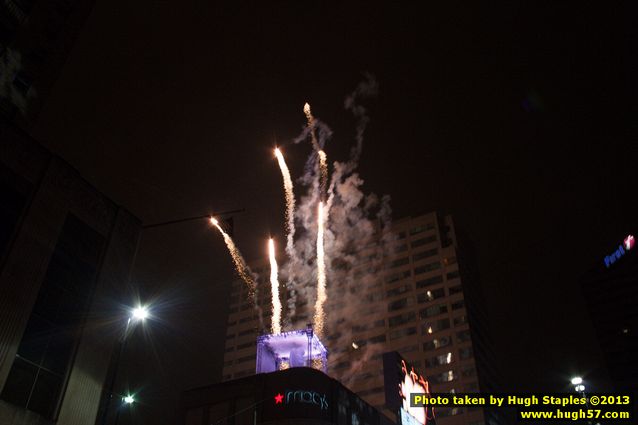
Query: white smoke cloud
[{"x": 356, "y": 238}]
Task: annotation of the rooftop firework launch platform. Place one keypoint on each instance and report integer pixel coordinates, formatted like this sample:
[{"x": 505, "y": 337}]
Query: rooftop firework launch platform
[{"x": 299, "y": 348}]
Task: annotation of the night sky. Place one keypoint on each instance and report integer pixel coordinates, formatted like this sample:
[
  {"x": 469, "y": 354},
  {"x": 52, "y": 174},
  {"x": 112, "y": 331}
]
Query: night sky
[{"x": 517, "y": 118}]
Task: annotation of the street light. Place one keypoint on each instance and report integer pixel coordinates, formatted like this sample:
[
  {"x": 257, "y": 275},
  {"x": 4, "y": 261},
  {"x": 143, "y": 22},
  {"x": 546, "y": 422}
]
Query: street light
[
  {"x": 138, "y": 314},
  {"x": 579, "y": 387}
]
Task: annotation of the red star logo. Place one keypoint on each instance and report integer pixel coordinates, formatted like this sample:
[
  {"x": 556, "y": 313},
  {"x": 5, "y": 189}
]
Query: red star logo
[{"x": 279, "y": 399}]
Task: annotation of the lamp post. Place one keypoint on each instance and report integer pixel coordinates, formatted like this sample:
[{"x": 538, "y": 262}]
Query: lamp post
[
  {"x": 126, "y": 401},
  {"x": 579, "y": 387},
  {"x": 138, "y": 314}
]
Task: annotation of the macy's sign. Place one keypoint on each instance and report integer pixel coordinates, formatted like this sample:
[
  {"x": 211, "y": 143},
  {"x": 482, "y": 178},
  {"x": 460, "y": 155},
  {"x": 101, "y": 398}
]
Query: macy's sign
[{"x": 302, "y": 396}]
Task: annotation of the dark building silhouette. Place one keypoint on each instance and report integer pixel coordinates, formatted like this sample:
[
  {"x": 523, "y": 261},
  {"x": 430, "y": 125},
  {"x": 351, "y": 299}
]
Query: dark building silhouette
[
  {"x": 299, "y": 395},
  {"x": 66, "y": 251},
  {"x": 36, "y": 38},
  {"x": 611, "y": 293}
]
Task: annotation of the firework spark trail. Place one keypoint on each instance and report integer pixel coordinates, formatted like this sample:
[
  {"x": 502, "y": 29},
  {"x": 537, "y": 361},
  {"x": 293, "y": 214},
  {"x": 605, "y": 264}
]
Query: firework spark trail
[
  {"x": 240, "y": 265},
  {"x": 274, "y": 288},
  {"x": 323, "y": 159},
  {"x": 290, "y": 203},
  {"x": 321, "y": 273}
]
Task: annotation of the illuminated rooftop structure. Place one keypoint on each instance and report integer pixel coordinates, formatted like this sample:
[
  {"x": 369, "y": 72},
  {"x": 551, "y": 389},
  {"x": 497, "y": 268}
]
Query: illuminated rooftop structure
[{"x": 300, "y": 348}]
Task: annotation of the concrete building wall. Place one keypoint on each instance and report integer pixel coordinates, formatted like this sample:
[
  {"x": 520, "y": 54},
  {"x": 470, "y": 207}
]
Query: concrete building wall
[{"x": 58, "y": 191}]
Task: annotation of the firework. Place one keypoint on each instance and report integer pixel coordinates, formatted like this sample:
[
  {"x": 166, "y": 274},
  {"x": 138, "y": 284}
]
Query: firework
[
  {"x": 274, "y": 287},
  {"x": 323, "y": 159},
  {"x": 321, "y": 273},
  {"x": 240, "y": 265},
  {"x": 290, "y": 203}
]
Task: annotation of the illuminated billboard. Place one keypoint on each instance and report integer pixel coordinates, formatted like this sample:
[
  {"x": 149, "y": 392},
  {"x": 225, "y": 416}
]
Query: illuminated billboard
[{"x": 400, "y": 380}]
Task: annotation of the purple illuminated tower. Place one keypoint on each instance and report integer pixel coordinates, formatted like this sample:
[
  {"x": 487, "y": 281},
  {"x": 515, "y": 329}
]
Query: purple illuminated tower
[{"x": 300, "y": 348}]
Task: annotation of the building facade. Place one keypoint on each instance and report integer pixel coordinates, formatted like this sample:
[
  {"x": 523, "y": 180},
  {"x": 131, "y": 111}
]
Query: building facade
[
  {"x": 292, "y": 396},
  {"x": 36, "y": 38},
  {"x": 611, "y": 294},
  {"x": 66, "y": 252},
  {"x": 423, "y": 303}
]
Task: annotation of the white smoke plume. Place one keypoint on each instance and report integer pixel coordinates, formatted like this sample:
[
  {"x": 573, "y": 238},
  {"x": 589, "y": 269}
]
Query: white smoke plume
[{"x": 357, "y": 232}]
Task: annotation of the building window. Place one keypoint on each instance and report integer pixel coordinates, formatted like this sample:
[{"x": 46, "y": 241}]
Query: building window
[
  {"x": 455, "y": 290},
  {"x": 399, "y": 262},
  {"x": 401, "y": 319},
  {"x": 439, "y": 325},
  {"x": 408, "y": 349},
  {"x": 452, "y": 275},
  {"x": 400, "y": 304},
  {"x": 465, "y": 353},
  {"x": 460, "y": 320},
  {"x": 422, "y": 228},
  {"x": 423, "y": 241},
  {"x": 377, "y": 339},
  {"x": 442, "y": 377},
  {"x": 439, "y": 360},
  {"x": 245, "y": 359},
  {"x": 400, "y": 333},
  {"x": 436, "y": 343},
  {"x": 427, "y": 268},
  {"x": 375, "y": 296},
  {"x": 432, "y": 295},
  {"x": 463, "y": 336},
  {"x": 39, "y": 370},
  {"x": 458, "y": 305},
  {"x": 433, "y": 311},
  {"x": 429, "y": 282},
  {"x": 246, "y": 345},
  {"x": 449, "y": 260},
  {"x": 399, "y": 290},
  {"x": 246, "y": 332},
  {"x": 468, "y": 371},
  {"x": 397, "y": 276},
  {"x": 401, "y": 248},
  {"x": 424, "y": 254}
]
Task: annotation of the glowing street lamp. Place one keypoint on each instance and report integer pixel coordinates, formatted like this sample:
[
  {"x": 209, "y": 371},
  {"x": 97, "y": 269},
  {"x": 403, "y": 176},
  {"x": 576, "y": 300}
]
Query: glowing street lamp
[
  {"x": 138, "y": 314},
  {"x": 577, "y": 382}
]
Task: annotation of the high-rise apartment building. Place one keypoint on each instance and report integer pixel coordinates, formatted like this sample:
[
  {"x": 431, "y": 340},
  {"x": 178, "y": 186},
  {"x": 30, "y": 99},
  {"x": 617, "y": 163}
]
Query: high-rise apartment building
[{"x": 424, "y": 303}]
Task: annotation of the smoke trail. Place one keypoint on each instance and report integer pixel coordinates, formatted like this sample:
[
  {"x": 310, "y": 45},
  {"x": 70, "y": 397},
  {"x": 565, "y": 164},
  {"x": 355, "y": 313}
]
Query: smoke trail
[
  {"x": 321, "y": 273},
  {"x": 290, "y": 203},
  {"x": 367, "y": 88},
  {"x": 274, "y": 288},
  {"x": 323, "y": 159}
]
